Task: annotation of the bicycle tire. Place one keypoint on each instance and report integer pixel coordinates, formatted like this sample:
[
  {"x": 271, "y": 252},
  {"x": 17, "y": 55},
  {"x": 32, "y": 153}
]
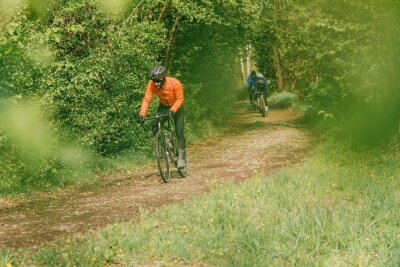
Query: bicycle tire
[
  {"x": 162, "y": 158},
  {"x": 262, "y": 106}
]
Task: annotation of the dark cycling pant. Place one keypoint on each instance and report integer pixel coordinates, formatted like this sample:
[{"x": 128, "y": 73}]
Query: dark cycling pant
[{"x": 179, "y": 124}]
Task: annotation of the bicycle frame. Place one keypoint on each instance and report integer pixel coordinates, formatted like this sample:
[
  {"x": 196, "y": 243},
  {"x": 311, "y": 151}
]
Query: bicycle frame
[
  {"x": 163, "y": 126},
  {"x": 260, "y": 98},
  {"x": 165, "y": 146}
]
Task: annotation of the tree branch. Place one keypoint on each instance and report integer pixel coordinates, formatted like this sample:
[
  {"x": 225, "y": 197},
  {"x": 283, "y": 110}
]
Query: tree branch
[
  {"x": 163, "y": 10},
  {"x": 133, "y": 11},
  {"x": 172, "y": 37}
]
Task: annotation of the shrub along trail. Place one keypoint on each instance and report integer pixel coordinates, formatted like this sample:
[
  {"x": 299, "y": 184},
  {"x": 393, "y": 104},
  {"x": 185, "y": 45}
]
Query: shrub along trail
[{"x": 251, "y": 145}]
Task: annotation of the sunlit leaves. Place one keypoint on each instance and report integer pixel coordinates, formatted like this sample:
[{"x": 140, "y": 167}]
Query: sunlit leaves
[
  {"x": 8, "y": 8},
  {"x": 116, "y": 7},
  {"x": 31, "y": 154},
  {"x": 40, "y": 54},
  {"x": 26, "y": 127}
]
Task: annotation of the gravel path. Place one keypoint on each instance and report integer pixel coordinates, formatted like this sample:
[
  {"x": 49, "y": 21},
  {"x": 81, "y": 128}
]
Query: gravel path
[{"x": 250, "y": 145}]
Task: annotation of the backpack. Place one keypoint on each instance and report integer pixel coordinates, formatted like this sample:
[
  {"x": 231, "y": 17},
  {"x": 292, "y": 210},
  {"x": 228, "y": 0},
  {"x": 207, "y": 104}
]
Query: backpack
[{"x": 260, "y": 82}]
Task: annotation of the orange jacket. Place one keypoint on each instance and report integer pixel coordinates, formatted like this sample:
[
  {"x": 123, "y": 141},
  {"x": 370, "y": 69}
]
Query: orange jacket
[{"x": 170, "y": 95}]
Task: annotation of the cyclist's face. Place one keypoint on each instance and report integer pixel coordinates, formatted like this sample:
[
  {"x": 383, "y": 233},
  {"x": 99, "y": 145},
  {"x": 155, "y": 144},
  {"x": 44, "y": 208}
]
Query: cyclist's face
[{"x": 159, "y": 83}]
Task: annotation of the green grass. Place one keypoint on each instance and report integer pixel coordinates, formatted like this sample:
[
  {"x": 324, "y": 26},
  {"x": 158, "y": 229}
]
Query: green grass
[
  {"x": 282, "y": 100},
  {"x": 338, "y": 208}
]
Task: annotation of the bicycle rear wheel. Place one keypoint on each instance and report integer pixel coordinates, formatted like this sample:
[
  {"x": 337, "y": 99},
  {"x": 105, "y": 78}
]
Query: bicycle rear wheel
[
  {"x": 262, "y": 105},
  {"x": 162, "y": 157}
]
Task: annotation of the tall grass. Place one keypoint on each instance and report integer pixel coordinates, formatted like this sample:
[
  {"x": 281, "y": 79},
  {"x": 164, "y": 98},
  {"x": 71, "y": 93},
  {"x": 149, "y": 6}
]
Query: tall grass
[{"x": 338, "y": 208}]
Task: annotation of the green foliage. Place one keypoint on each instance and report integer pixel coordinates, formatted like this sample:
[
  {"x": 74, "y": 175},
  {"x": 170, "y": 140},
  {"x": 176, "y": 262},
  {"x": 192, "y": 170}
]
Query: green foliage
[
  {"x": 86, "y": 64},
  {"x": 208, "y": 58},
  {"x": 96, "y": 98},
  {"x": 32, "y": 157},
  {"x": 339, "y": 57}
]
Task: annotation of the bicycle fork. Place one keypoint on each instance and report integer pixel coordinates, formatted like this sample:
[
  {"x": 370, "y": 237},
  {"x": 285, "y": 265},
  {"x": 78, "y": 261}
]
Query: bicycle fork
[{"x": 170, "y": 149}]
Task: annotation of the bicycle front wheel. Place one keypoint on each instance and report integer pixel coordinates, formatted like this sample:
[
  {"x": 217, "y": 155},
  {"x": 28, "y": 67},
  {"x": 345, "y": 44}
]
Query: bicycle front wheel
[{"x": 162, "y": 157}]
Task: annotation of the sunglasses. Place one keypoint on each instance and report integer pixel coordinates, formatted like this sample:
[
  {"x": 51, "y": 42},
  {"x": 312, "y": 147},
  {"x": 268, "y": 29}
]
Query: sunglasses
[{"x": 158, "y": 80}]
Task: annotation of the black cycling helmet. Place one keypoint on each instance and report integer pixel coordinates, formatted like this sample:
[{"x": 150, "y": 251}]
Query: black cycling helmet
[{"x": 157, "y": 73}]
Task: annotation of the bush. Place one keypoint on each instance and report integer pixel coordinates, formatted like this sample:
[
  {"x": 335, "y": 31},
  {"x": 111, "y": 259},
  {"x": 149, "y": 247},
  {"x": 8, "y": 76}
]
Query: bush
[{"x": 282, "y": 100}]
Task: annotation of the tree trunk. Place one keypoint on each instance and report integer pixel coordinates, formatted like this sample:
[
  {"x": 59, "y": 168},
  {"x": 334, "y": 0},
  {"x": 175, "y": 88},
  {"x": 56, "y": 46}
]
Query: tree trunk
[
  {"x": 293, "y": 86},
  {"x": 243, "y": 71},
  {"x": 172, "y": 36},
  {"x": 278, "y": 69},
  {"x": 248, "y": 58},
  {"x": 163, "y": 11}
]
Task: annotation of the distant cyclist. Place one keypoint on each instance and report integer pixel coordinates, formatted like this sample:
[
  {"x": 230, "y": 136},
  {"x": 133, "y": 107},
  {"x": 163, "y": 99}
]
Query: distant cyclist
[
  {"x": 251, "y": 83},
  {"x": 170, "y": 93},
  {"x": 262, "y": 86}
]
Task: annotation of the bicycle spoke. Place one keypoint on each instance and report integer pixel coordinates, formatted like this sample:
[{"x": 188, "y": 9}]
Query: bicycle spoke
[{"x": 162, "y": 157}]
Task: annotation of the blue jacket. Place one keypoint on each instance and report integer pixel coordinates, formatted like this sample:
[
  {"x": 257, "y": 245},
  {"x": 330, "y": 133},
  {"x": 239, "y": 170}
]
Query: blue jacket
[
  {"x": 250, "y": 81},
  {"x": 258, "y": 83}
]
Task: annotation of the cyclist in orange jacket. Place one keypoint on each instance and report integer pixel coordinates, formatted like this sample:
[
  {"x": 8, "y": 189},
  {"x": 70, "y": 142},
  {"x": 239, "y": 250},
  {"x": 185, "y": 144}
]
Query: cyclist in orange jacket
[{"x": 170, "y": 93}]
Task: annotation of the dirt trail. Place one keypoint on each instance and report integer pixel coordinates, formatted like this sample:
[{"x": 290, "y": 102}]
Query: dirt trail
[{"x": 251, "y": 144}]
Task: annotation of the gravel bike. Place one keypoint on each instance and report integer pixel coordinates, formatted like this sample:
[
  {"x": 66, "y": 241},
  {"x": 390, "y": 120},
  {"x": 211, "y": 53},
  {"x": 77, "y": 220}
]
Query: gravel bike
[
  {"x": 259, "y": 102},
  {"x": 166, "y": 146}
]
